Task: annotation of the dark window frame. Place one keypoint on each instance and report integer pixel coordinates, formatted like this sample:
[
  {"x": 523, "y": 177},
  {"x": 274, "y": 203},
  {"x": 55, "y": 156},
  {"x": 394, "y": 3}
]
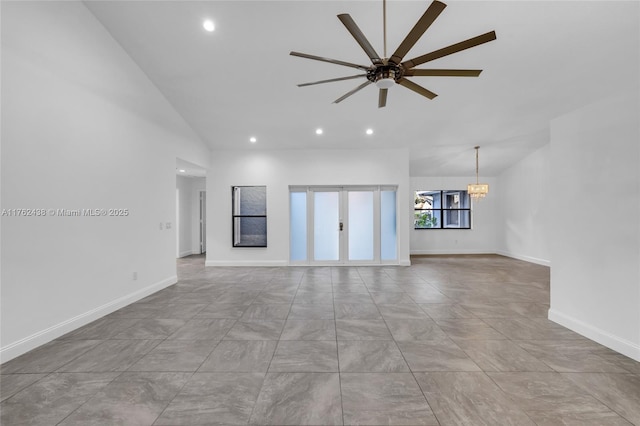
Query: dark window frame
[
  {"x": 235, "y": 216},
  {"x": 440, "y": 212}
]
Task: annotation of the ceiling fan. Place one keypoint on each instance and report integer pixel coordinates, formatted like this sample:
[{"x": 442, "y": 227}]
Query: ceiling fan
[{"x": 387, "y": 71}]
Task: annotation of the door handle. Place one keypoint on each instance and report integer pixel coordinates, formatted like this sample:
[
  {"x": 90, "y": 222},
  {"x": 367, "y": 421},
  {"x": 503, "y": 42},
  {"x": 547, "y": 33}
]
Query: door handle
[{"x": 341, "y": 226}]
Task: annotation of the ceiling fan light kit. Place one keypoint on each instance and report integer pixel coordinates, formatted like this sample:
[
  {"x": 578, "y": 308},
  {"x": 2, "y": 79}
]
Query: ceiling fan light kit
[
  {"x": 385, "y": 82},
  {"x": 385, "y": 72}
]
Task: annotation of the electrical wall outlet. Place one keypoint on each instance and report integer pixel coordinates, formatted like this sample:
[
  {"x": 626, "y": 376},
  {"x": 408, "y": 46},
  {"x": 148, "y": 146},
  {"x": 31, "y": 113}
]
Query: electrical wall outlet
[
  {"x": 161, "y": 226},
  {"x": 135, "y": 276},
  {"x": 167, "y": 225}
]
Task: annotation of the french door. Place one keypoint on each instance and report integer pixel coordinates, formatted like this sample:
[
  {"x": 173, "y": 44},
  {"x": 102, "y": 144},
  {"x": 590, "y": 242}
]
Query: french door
[{"x": 340, "y": 225}]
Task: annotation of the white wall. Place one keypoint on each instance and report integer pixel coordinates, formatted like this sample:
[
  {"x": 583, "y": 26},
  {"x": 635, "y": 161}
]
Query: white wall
[
  {"x": 482, "y": 238},
  {"x": 279, "y": 169},
  {"x": 525, "y": 210},
  {"x": 184, "y": 216},
  {"x": 82, "y": 127},
  {"x": 595, "y": 174}
]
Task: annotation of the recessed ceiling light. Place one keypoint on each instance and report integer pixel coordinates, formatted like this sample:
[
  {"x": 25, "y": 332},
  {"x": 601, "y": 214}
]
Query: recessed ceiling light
[
  {"x": 369, "y": 131},
  {"x": 208, "y": 25},
  {"x": 182, "y": 170},
  {"x": 253, "y": 139},
  {"x": 318, "y": 131}
]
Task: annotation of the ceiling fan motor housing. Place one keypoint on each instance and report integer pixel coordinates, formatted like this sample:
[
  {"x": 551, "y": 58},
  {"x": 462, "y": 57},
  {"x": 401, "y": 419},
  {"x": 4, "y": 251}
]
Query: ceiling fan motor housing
[{"x": 381, "y": 74}]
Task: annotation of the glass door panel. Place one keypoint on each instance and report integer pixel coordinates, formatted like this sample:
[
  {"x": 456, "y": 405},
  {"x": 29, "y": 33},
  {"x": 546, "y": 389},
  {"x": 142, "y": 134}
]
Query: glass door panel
[
  {"x": 298, "y": 226},
  {"x": 360, "y": 225},
  {"x": 326, "y": 226},
  {"x": 388, "y": 237}
]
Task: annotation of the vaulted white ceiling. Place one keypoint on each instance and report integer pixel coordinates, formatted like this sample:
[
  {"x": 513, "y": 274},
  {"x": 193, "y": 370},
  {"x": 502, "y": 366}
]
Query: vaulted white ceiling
[{"x": 239, "y": 81}]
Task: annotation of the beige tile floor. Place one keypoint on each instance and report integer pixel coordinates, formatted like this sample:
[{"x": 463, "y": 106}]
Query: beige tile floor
[{"x": 450, "y": 340}]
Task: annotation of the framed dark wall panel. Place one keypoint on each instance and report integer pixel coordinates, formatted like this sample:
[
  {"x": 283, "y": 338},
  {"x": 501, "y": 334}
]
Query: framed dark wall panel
[{"x": 249, "y": 213}]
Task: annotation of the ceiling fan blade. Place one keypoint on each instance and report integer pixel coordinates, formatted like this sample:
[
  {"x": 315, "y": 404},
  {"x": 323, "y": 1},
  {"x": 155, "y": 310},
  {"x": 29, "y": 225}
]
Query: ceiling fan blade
[
  {"x": 346, "y": 95},
  {"x": 429, "y": 16},
  {"x": 331, "y": 61},
  {"x": 416, "y": 88},
  {"x": 454, "y": 48},
  {"x": 332, "y": 80},
  {"x": 442, "y": 73},
  {"x": 382, "y": 98},
  {"x": 351, "y": 26}
]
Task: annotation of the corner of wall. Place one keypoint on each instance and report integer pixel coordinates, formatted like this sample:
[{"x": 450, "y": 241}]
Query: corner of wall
[
  {"x": 44, "y": 336},
  {"x": 525, "y": 224},
  {"x": 625, "y": 347}
]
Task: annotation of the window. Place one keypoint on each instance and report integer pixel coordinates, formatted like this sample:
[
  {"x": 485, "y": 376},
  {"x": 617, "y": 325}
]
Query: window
[
  {"x": 249, "y": 216},
  {"x": 450, "y": 209}
]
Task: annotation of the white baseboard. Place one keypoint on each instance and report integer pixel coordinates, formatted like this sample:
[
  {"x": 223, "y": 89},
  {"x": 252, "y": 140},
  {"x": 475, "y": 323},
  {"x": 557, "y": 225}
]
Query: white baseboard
[
  {"x": 625, "y": 347},
  {"x": 529, "y": 259},
  {"x": 28, "y": 343},
  {"x": 278, "y": 263},
  {"x": 186, "y": 253},
  {"x": 350, "y": 264},
  {"x": 449, "y": 251},
  {"x": 247, "y": 263}
]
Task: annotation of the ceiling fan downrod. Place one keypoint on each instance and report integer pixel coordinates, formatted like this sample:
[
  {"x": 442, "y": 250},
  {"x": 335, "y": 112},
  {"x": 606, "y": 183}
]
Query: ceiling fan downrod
[{"x": 384, "y": 28}]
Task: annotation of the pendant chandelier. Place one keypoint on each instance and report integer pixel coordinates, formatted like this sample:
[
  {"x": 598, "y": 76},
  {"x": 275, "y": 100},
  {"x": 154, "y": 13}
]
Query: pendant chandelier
[{"x": 477, "y": 191}]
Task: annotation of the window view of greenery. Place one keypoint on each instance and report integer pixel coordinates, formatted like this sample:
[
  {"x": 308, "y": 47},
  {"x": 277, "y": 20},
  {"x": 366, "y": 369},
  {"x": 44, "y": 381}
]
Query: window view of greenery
[{"x": 450, "y": 209}]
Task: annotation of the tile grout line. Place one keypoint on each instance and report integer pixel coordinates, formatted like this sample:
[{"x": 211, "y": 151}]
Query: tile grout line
[
  {"x": 264, "y": 377},
  {"x": 411, "y": 370},
  {"x": 335, "y": 325},
  {"x": 594, "y": 396}
]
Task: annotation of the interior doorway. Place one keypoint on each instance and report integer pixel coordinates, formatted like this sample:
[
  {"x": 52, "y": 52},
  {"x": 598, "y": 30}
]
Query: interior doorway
[{"x": 191, "y": 213}]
